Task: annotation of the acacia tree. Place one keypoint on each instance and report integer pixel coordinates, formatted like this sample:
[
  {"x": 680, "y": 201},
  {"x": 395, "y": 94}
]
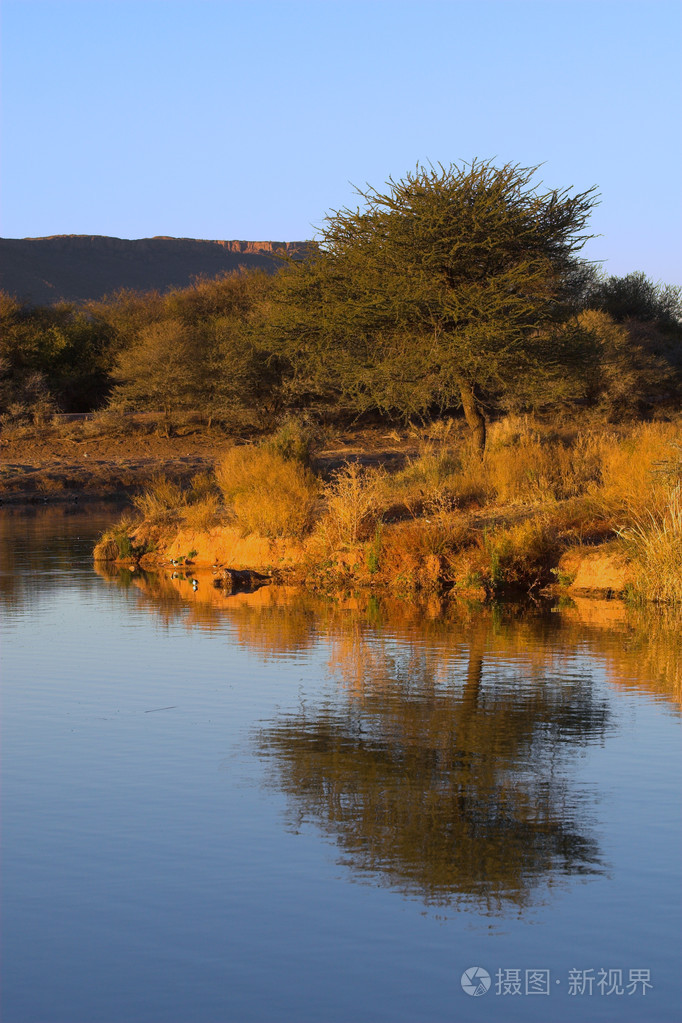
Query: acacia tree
[
  {"x": 193, "y": 349},
  {"x": 441, "y": 287}
]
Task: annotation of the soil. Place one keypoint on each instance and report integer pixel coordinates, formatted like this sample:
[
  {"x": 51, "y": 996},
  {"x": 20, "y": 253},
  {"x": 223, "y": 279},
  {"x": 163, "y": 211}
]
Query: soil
[
  {"x": 59, "y": 465},
  {"x": 62, "y": 468}
]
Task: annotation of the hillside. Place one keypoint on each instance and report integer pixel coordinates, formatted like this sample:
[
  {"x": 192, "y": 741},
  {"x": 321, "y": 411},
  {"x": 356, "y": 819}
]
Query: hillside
[{"x": 81, "y": 267}]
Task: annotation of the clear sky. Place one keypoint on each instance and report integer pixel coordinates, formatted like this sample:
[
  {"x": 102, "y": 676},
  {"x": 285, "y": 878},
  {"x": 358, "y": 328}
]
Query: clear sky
[{"x": 233, "y": 119}]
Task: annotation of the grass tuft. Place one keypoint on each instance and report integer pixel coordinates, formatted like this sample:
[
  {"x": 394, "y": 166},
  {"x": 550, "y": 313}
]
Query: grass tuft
[
  {"x": 115, "y": 544},
  {"x": 267, "y": 493},
  {"x": 161, "y": 502},
  {"x": 654, "y": 545}
]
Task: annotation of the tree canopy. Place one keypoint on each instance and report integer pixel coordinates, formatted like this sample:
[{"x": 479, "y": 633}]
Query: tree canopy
[{"x": 443, "y": 286}]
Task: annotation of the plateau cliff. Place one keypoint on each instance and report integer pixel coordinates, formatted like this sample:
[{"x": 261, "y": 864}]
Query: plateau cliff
[{"x": 76, "y": 268}]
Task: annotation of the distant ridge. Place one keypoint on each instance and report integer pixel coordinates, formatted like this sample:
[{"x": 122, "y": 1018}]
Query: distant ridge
[{"x": 79, "y": 267}]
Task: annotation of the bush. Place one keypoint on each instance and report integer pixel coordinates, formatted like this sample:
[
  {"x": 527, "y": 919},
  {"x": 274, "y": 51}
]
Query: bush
[
  {"x": 294, "y": 441},
  {"x": 520, "y": 554},
  {"x": 110, "y": 422},
  {"x": 267, "y": 493},
  {"x": 354, "y": 499},
  {"x": 115, "y": 543}
]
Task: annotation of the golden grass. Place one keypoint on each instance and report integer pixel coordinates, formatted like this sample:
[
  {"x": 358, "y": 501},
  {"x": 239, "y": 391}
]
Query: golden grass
[
  {"x": 445, "y": 476},
  {"x": 267, "y": 493},
  {"x": 632, "y": 479},
  {"x": 204, "y": 513},
  {"x": 654, "y": 545},
  {"x": 161, "y": 501},
  {"x": 498, "y": 523}
]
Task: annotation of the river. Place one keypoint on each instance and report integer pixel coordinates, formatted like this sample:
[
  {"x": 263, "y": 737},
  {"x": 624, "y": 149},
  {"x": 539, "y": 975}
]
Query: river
[{"x": 274, "y": 807}]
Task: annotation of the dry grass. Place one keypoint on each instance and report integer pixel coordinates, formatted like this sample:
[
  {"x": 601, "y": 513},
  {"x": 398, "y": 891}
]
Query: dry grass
[
  {"x": 267, "y": 493},
  {"x": 161, "y": 502},
  {"x": 497, "y": 523},
  {"x": 440, "y": 475},
  {"x": 203, "y": 514},
  {"x": 526, "y": 461},
  {"x": 115, "y": 543},
  {"x": 632, "y": 480},
  {"x": 654, "y": 545}
]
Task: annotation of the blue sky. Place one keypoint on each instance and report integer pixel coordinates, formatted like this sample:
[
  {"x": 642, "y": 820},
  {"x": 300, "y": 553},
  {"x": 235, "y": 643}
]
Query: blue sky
[{"x": 232, "y": 119}]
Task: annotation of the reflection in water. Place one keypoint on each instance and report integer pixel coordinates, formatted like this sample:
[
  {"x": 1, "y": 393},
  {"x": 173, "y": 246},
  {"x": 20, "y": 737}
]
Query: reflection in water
[
  {"x": 639, "y": 647},
  {"x": 38, "y": 545},
  {"x": 443, "y": 764},
  {"x": 449, "y": 787},
  {"x": 516, "y": 763}
]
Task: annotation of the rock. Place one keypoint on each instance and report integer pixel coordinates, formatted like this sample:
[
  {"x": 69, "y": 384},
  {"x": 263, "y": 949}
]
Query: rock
[
  {"x": 598, "y": 570},
  {"x": 233, "y": 580}
]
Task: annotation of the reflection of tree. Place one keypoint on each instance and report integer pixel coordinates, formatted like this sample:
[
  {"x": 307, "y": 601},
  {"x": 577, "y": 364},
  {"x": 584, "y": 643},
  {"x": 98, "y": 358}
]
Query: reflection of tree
[
  {"x": 451, "y": 791},
  {"x": 39, "y": 545},
  {"x": 641, "y": 648}
]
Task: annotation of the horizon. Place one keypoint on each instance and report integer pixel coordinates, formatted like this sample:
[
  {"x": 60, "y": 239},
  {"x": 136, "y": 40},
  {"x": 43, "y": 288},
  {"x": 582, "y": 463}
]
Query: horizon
[
  {"x": 155, "y": 237},
  {"x": 250, "y": 120}
]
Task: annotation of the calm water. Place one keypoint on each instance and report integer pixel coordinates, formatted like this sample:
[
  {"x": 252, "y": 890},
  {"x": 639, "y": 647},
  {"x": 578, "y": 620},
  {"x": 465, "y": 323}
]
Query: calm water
[{"x": 271, "y": 808}]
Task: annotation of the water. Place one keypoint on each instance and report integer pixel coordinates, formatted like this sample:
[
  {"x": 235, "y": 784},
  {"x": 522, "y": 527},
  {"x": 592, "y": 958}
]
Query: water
[{"x": 273, "y": 808}]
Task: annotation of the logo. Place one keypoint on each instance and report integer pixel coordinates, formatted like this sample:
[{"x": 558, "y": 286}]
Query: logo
[{"x": 475, "y": 981}]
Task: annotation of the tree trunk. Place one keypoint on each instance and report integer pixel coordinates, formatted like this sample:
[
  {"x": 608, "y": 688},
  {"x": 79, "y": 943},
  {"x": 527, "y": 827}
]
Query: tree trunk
[{"x": 474, "y": 417}]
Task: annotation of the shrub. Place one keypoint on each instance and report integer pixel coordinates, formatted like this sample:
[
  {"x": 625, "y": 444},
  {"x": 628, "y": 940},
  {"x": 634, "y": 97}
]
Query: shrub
[
  {"x": 115, "y": 543},
  {"x": 110, "y": 422},
  {"x": 354, "y": 498},
  {"x": 411, "y": 550},
  {"x": 267, "y": 493},
  {"x": 517, "y": 555},
  {"x": 294, "y": 441}
]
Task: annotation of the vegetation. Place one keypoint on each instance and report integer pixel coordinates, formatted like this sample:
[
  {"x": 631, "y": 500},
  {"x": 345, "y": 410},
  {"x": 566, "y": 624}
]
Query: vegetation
[
  {"x": 456, "y": 287},
  {"x": 454, "y": 290},
  {"x": 654, "y": 542},
  {"x": 436, "y": 524},
  {"x": 443, "y": 290},
  {"x": 266, "y": 492}
]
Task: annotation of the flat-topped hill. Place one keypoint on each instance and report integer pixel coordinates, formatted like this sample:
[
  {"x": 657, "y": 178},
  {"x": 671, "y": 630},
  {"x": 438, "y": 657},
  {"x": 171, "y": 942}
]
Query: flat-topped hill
[{"x": 75, "y": 267}]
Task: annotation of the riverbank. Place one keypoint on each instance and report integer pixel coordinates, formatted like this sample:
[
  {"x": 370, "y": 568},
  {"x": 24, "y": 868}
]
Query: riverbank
[
  {"x": 219, "y": 556},
  {"x": 596, "y": 509},
  {"x": 95, "y": 458}
]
